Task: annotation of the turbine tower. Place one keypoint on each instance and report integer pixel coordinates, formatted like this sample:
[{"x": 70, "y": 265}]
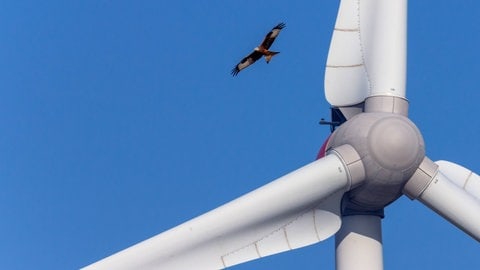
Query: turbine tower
[{"x": 374, "y": 156}]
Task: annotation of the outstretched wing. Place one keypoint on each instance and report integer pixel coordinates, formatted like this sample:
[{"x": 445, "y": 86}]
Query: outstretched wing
[
  {"x": 247, "y": 61},
  {"x": 270, "y": 37}
]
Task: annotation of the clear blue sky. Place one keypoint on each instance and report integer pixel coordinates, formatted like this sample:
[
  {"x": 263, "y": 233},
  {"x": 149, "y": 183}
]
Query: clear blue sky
[{"x": 120, "y": 120}]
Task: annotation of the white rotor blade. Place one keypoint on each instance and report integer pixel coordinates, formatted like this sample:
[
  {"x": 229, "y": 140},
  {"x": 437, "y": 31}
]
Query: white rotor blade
[
  {"x": 298, "y": 209},
  {"x": 367, "y": 55},
  {"x": 462, "y": 177},
  {"x": 441, "y": 193}
]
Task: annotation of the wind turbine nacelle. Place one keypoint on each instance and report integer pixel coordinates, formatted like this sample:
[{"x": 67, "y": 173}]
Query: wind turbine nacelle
[{"x": 391, "y": 148}]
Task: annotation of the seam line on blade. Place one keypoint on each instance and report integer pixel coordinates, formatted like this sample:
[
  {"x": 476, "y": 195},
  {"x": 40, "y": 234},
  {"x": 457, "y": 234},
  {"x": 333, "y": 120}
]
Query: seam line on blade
[
  {"x": 223, "y": 261},
  {"x": 362, "y": 49},
  {"x": 315, "y": 223},
  {"x": 286, "y": 238},
  {"x": 345, "y": 66},
  {"x": 467, "y": 180},
  {"x": 282, "y": 228},
  {"x": 347, "y": 29}
]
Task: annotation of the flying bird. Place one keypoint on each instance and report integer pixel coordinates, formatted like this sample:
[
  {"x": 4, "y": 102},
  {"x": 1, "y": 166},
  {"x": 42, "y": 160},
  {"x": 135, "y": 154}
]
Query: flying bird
[{"x": 261, "y": 50}]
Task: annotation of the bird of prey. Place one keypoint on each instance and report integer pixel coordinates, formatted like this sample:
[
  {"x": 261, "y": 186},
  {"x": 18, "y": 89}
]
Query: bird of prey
[{"x": 261, "y": 50}]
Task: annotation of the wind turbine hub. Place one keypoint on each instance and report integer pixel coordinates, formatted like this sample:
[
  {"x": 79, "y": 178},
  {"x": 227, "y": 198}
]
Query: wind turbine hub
[
  {"x": 391, "y": 148},
  {"x": 393, "y": 143}
]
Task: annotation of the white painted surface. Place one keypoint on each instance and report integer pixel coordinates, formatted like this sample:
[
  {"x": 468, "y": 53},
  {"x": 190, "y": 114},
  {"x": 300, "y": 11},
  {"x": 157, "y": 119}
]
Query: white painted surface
[
  {"x": 454, "y": 204},
  {"x": 367, "y": 55},
  {"x": 359, "y": 243},
  {"x": 298, "y": 209}
]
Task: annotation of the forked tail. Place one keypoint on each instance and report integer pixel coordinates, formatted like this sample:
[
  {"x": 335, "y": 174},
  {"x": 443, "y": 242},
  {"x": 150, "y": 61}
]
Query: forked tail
[{"x": 269, "y": 55}]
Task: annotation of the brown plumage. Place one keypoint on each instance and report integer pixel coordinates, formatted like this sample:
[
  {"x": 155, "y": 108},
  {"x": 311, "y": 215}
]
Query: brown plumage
[{"x": 261, "y": 50}]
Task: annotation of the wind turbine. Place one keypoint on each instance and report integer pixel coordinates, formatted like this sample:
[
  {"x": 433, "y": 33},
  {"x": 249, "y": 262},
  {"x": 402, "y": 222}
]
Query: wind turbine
[{"x": 374, "y": 156}]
